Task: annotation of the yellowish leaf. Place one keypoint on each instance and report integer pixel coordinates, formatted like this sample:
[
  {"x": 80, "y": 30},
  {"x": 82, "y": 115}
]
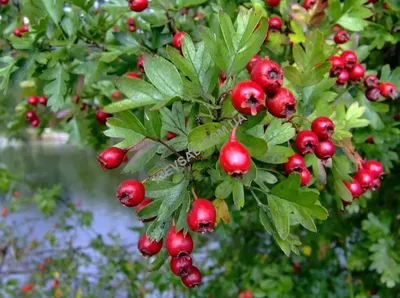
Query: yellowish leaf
[{"x": 222, "y": 211}]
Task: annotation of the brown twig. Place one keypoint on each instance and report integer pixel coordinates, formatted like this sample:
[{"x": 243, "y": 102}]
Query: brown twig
[{"x": 164, "y": 144}]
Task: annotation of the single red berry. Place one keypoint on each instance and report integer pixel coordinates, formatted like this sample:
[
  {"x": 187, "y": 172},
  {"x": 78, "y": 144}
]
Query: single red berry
[
  {"x": 131, "y": 193},
  {"x": 357, "y": 73},
  {"x": 350, "y": 59},
  {"x": 201, "y": 218},
  {"x": 295, "y": 163},
  {"x": 305, "y": 177},
  {"x": 33, "y": 100},
  {"x": 42, "y": 267},
  {"x": 27, "y": 288},
  {"x": 55, "y": 283},
  {"x": 177, "y": 40},
  {"x": 149, "y": 247},
  {"x": 385, "y": 6},
  {"x": 116, "y": 94},
  {"x": 138, "y": 5},
  {"x": 268, "y": 75},
  {"x": 388, "y": 90},
  {"x": 83, "y": 106},
  {"x": 177, "y": 243},
  {"x": 30, "y": 115},
  {"x": 306, "y": 142},
  {"x": 234, "y": 157},
  {"x": 184, "y": 11},
  {"x": 396, "y": 117},
  {"x": 246, "y": 294},
  {"x": 365, "y": 178},
  {"x": 308, "y": 4},
  {"x": 282, "y": 104},
  {"x": 171, "y": 135},
  {"x": 111, "y": 158},
  {"x": 273, "y": 3},
  {"x": 193, "y": 278},
  {"x": 376, "y": 184},
  {"x": 323, "y": 127},
  {"x": 42, "y": 100},
  {"x": 16, "y": 194},
  {"x": 354, "y": 187},
  {"x": 132, "y": 75},
  {"x": 248, "y": 98},
  {"x": 375, "y": 167},
  {"x": 337, "y": 28},
  {"x": 5, "y": 2},
  {"x": 132, "y": 29},
  {"x": 198, "y": 16},
  {"x": 275, "y": 24},
  {"x": 325, "y": 149},
  {"x": 35, "y": 122},
  {"x": 371, "y": 81},
  {"x": 130, "y": 21},
  {"x": 370, "y": 140},
  {"x": 115, "y": 29},
  {"x": 4, "y": 212},
  {"x": 341, "y": 37},
  {"x": 76, "y": 98},
  {"x": 343, "y": 78},
  {"x": 337, "y": 65},
  {"x": 372, "y": 94},
  {"x": 18, "y": 32},
  {"x": 181, "y": 265},
  {"x": 143, "y": 204},
  {"x": 140, "y": 64},
  {"x": 25, "y": 28},
  {"x": 101, "y": 116},
  {"x": 254, "y": 60}
]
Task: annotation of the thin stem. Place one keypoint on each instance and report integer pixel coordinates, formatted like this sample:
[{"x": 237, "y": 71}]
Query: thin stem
[
  {"x": 295, "y": 126},
  {"x": 301, "y": 117},
  {"x": 194, "y": 194},
  {"x": 164, "y": 144},
  {"x": 134, "y": 145},
  {"x": 254, "y": 195}
]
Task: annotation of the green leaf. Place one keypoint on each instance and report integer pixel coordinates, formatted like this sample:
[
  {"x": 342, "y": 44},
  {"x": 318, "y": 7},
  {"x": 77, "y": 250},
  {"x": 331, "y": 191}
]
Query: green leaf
[
  {"x": 293, "y": 75},
  {"x": 288, "y": 188},
  {"x": 280, "y": 211},
  {"x": 276, "y": 155},
  {"x": 152, "y": 123},
  {"x": 224, "y": 189},
  {"x": 164, "y": 76},
  {"x": 257, "y": 147},
  {"x": 279, "y": 132},
  {"x": 181, "y": 223},
  {"x": 238, "y": 194},
  {"x": 57, "y": 88},
  {"x": 207, "y": 136},
  {"x": 174, "y": 120},
  {"x": 120, "y": 129},
  {"x": 265, "y": 177},
  {"x": 303, "y": 217},
  {"x": 126, "y": 39},
  {"x": 160, "y": 259},
  {"x": 140, "y": 159},
  {"x": 6, "y": 71},
  {"x": 54, "y": 9},
  {"x": 79, "y": 131},
  {"x": 150, "y": 211}
]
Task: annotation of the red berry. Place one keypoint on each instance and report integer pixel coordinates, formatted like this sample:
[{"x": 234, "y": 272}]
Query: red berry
[
  {"x": 131, "y": 193},
  {"x": 376, "y": 184},
  {"x": 273, "y": 3},
  {"x": 138, "y": 5},
  {"x": 76, "y": 98},
  {"x": 35, "y": 122},
  {"x": 143, "y": 204},
  {"x": 55, "y": 283},
  {"x": 33, "y": 100},
  {"x": 305, "y": 177},
  {"x": 308, "y": 4},
  {"x": 171, "y": 135},
  {"x": 101, "y": 116},
  {"x": 396, "y": 117},
  {"x": 132, "y": 75},
  {"x": 132, "y": 29},
  {"x": 323, "y": 127},
  {"x": 371, "y": 81},
  {"x": 275, "y": 24},
  {"x": 184, "y": 11},
  {"x": 149, "y": 247},
  {"x": 83, "y": 107},
  {"x": 30, "y": 115},
  {"x": 201, "y": 218},
  {"x": 18, "y": 32},
  {"x": 27, "y": 288},
  {"x": 140, "y": 64},
  {"x": 337, "y": 65},
  {"x": 116, "y": 94},
  {"x": 177, "y": 40},
  {"x": 4, "y": 2},
  {"x": 4, "y": 212},
  {"x": 181, "y": 265},
  {"x": 343, "y": 78},
  {"x": 282, "y": 104},
  {"x": 354, "y": 187},
  {"x": 198, "y": 16},
  {"x": 42, "y": 267},
  {"x": 325, "y": 149},
  {"x": 341, "y": 37},
  {"x": 357, "y": 73},
  {"x": 193, "y": 278},
  {"x": 372, "y": 94},
  {"x": 375, "y": 167},
  {"x": 388, "y": 90},
  {"x": 234, "y": 157},
  {"x": 246, "y": 294},
  {"x": 370, "y": 140},
  {"x": 268, "y": 75},
  {"x": 42, "y": 100},
  {"x": 252, "y": 63},
  {"x": 295, "y": 163},
  {"x": 130, "y": 21},
  {"x": 350, "y": 59},
  {"x": 337, "y": 28},
  {"x": 248, "y": 98},
  {"x": 306, "y": 142},
  {"x": 111, "y": 158},
  {"x": 177, "y": 243},
  {"x": 365, "y": 178},
  {"x": 25, "y": 28}
]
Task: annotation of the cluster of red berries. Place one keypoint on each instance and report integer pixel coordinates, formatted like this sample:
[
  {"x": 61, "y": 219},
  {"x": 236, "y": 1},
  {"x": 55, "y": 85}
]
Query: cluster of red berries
[
  {"x": 317, "y": 141},
  {"x": 138, "y": 5},
  {"x": 31, "y": 115},
  {"x": 131, "y": 24},
  {"x": 367, "y": 178},
  {"x": 200, "y": 219},
  {"x": 264, "y": 90},
  {"x": 375, "y": 89},
  {"x": 19, "y": 30}
]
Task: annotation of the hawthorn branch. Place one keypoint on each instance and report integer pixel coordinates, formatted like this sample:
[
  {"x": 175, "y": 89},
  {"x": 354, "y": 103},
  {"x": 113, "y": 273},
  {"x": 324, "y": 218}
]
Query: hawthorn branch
[{"x": 164, "y": 144}]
